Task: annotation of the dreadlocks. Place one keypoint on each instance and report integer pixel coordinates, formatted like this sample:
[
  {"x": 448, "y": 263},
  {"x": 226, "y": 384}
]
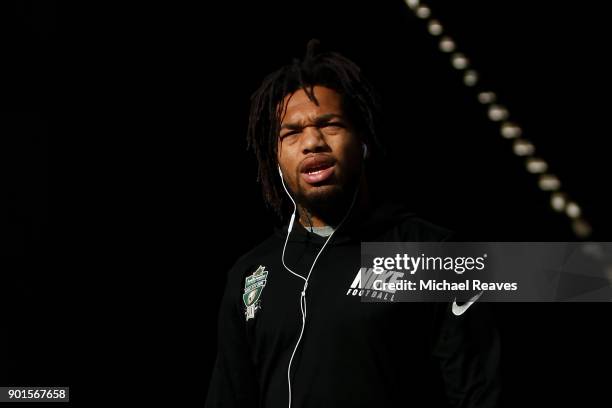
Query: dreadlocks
[{"x": 328, "y": 69}]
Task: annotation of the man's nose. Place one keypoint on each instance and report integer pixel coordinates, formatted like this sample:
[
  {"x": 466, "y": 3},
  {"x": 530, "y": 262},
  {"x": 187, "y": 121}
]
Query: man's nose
[{"x": 313, "y": 140}]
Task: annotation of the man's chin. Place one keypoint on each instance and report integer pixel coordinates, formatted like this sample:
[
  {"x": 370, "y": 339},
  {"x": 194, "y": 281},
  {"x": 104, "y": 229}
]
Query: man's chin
[
  {"x": 323, "y": 193},
  {"x": 323, "y": 200}
]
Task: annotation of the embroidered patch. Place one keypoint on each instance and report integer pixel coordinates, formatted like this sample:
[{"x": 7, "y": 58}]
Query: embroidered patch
[{"x": 253, "y": 286}]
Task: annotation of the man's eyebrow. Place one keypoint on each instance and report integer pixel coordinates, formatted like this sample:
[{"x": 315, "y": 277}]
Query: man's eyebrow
[{"x": 318, "y": 120}]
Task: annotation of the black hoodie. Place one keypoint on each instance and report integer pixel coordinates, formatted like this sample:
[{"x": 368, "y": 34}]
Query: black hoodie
[{"x": 352, "y": 353}]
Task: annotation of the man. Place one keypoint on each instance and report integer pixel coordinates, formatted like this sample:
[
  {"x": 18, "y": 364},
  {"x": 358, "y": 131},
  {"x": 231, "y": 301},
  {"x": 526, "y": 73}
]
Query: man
[{"x": 293, "y": 331}]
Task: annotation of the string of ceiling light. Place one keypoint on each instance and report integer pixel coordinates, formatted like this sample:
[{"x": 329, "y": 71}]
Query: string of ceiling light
[{"x": 560, "y": 201}]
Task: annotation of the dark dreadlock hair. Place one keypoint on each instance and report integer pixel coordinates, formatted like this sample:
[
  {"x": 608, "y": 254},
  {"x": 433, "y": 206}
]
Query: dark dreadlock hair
[{"x": 329, "y": 69}]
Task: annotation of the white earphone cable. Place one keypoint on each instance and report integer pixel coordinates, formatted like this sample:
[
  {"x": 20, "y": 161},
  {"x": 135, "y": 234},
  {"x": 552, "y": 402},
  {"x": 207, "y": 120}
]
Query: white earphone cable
[{"x": 303, "y": 294}]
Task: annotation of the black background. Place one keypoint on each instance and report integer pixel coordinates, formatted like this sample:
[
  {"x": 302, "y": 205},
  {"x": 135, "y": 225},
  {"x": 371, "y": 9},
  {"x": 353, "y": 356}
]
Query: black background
[{"x": 118, "y": 234}]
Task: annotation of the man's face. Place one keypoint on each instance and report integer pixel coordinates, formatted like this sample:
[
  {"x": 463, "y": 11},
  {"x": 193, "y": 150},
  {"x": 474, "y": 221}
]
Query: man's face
[{"x": 318, "y": 151}]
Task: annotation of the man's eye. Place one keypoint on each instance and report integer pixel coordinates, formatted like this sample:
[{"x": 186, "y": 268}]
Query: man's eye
[
  {"x": 289, "y": 134},
  {"x": 333, "y": 124}
]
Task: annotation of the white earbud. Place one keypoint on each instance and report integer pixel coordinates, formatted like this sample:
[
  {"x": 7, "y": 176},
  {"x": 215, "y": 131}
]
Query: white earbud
[{"x": 364, "y": 147}]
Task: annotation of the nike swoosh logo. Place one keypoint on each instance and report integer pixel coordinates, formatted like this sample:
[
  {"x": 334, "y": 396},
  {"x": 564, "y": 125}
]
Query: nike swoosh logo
[{"x": 459, "y": 310}]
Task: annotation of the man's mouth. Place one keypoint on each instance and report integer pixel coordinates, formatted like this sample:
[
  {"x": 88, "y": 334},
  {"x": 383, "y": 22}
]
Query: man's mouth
[{"x": 317, "y": 168}]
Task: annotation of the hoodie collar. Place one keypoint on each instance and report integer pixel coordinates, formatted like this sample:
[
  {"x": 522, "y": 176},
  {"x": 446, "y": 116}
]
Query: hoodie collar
[{"x": 381, "y": 216}]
